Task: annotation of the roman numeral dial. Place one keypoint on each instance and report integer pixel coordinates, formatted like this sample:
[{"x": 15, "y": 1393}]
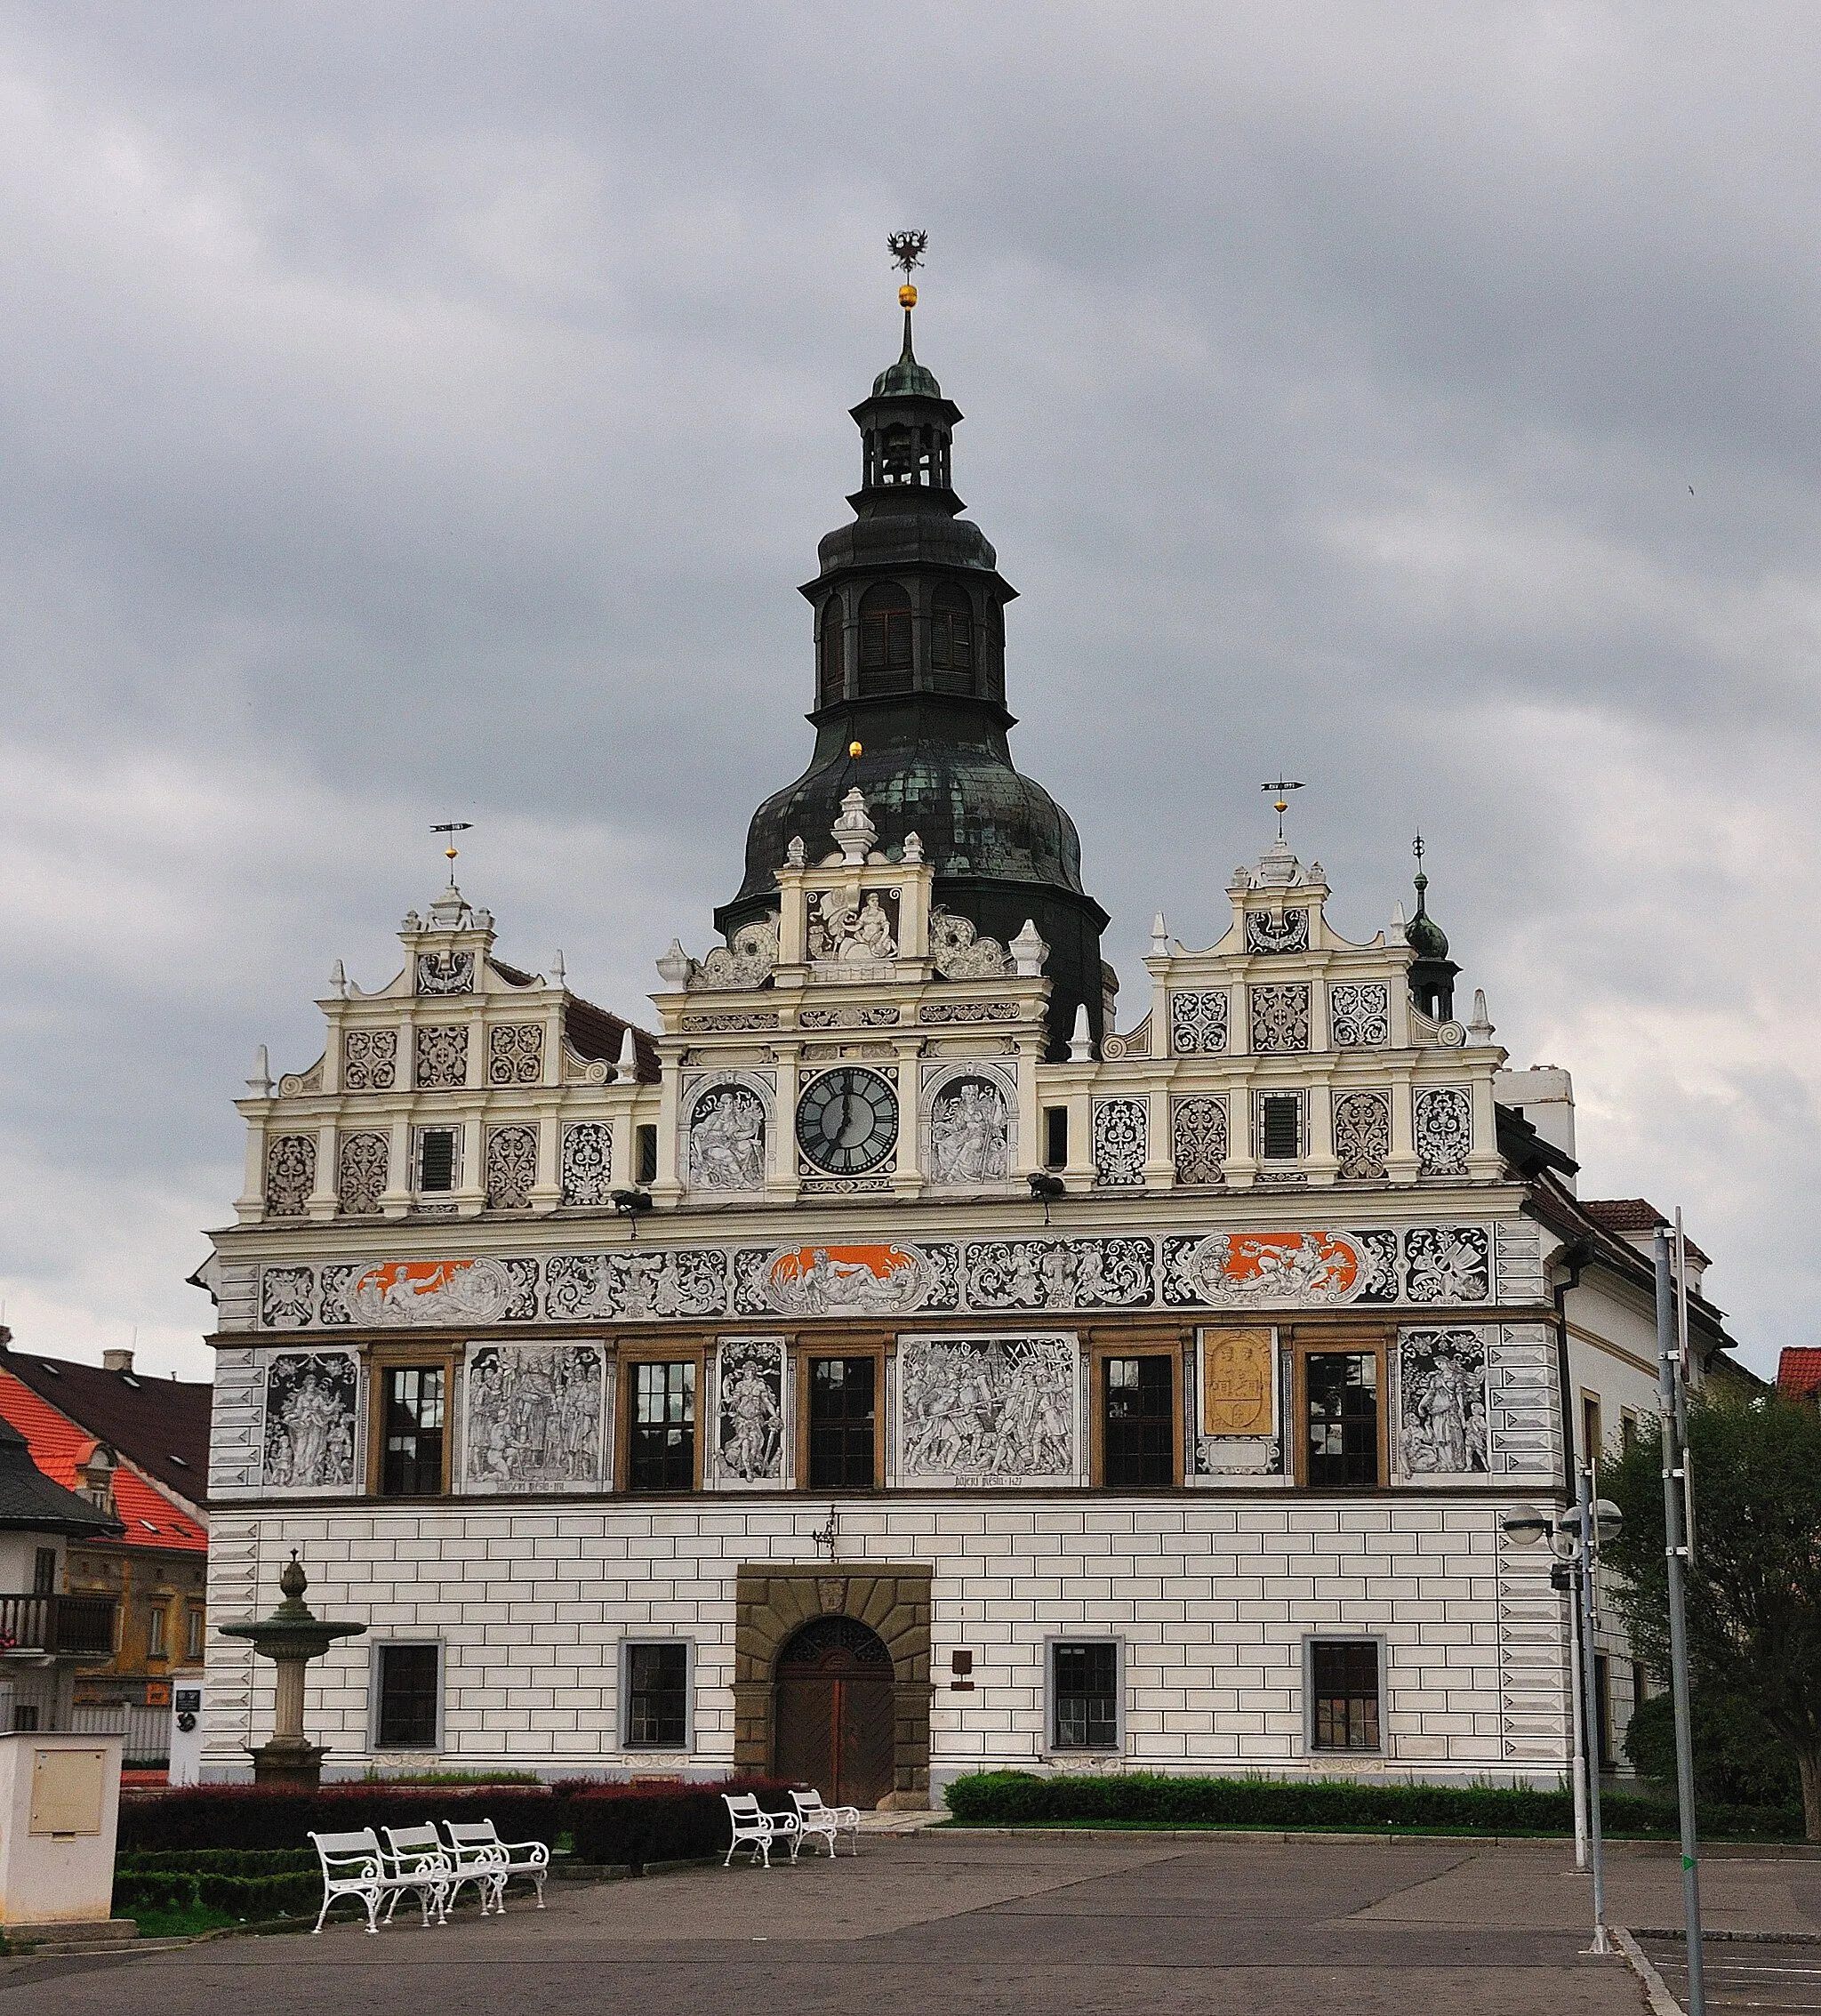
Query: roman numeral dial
[{"x": 847, "y": 1121}]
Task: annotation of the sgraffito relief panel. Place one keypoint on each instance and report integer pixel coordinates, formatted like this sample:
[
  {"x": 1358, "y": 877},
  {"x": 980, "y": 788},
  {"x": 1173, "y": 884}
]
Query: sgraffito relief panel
[
  {"x": 311, "y": 1429},
  {"x": 990, "y": 1410},
  {"x": 1272, "y": 1267},
  {"x": 1358, "y": 1013},
  {"x": 726, "y": 1129},
  {"x": 751, "y": 1413},
  {"x": 1236, "y": 1427},
  {"x": 1199, "y": 1023},
  {"x": 1121, "y": 1142},
  {"x": 970, "y": 1124},
  {"x": 586, "y": 1170},
  {"x": 1442, "y": 1123},
  {"x": 1199, "y": 1138},
  {"x": 1058, "y": 1274},
  {"x": 1438, "y": 1403},
  {"x": 291, "y": 1173},
  {"x": 535, "y": 1417}
]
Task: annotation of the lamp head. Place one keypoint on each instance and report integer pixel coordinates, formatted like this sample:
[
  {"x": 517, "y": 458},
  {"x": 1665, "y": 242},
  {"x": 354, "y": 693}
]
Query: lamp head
[{"x": 1528, "y": 1525}]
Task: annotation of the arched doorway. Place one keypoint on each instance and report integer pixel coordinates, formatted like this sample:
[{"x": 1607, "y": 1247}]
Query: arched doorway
[{"x": 832, "y": 1714}]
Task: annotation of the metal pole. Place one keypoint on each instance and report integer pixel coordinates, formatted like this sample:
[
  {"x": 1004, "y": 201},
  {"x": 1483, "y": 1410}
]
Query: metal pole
[
  {"x": 1675, "y": 1547},
  {"x": 1590, "y": 1700},
  {"x": 1578, "y": 1775}
]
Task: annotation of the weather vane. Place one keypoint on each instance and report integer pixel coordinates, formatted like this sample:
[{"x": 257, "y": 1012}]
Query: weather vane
[
  {"x": 1281, "y": 788},
  {"x": 452, "y": 827},
  {"x": 1419, "y": 850},
  {"x": 907, "y": 249}
]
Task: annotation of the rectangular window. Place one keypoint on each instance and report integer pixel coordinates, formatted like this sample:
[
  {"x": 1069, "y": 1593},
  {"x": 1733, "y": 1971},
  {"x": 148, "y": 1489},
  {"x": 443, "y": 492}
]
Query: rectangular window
[
  {"x": 1055, "y": 1137},
  {"x": 193, "y": 1647},
  {"x": 155, "y": 1633},
  {"x": 412, "y": 1456},
  {"x": 657, "y": 1696},
  {"x": 409, "y": 1686},
  {"x": 1592, "y": 1427},
  {"x": 1085, "y": 1683},
  {"x": 436, "y": 1158},
  {"x": 1138, "y": 1422},
  {"x": 1627, "y": 1430},
  {"x": 662, "y": 1457},
  {"x": 1343, "y": 1695},
  {"x": 25, "y": 1718},
  {"x": 1281, "y": 1126},
  {"x": 645, "y": 1154},
  {"x": 1343, "y": 1404},
  {"x": 43, "y": 1572},
  {"x": 842, "y": 1420}
]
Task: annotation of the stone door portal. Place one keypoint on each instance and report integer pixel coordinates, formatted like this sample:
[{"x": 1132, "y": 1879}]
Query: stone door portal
[{"x": 834, "y": 1711}]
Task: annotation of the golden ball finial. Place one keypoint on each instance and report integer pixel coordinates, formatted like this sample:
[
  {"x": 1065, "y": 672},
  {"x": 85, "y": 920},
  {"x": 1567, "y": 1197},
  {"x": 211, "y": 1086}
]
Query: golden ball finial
[
  {"x": 853, "y": 749},
  {"x": 907, "y": 295}
]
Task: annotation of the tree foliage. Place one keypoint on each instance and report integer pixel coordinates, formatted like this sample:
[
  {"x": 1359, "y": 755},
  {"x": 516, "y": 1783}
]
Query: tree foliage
[{"x": 1754, "y": 1586}]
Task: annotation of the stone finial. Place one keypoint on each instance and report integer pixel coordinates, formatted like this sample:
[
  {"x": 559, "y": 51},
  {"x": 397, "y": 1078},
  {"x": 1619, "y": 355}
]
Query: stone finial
[
  {"x": 449, "y": 908},
  {"x": 1400, "y": 924},
  {"x": 913, "y": 848},
  {"x": 559, "y": 973},
  {"x": 626, "y": 1070},
  {"x": 261, "y": 1082},
  {"x": 795, "y": 855},
  {"x": 338, "y": 979},
  {"x": 412, "y": 922},
  {"x": 292, "y": 1583},
  {"x": 854, "y": 832},
  {"x": 1480, "y": 1028},
  {"x": 676, "y": 966},
  {"x": 1080, "y": 1042},
  {"x": 1159, "y": 938},
  {"x": 1028, "y": 952}
]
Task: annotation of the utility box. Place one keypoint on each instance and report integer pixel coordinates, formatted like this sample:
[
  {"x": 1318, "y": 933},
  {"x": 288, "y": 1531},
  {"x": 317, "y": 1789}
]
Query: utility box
[
  {"x": 186, "y": 1752},
  {"x": 59, "y": 1812}
]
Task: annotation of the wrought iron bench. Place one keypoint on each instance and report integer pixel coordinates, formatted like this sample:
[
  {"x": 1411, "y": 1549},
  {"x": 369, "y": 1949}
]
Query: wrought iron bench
[
  {"x": 826, "y": 1822},
  {"x": 481, "y": 1857},
  {"x": 355, "y": 1864},
  {"x": 756, "y": 1830}
]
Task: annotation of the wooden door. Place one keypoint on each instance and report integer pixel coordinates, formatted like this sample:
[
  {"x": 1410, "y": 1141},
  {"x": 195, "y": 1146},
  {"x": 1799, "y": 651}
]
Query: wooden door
[{"x": 832, "y": 1711}]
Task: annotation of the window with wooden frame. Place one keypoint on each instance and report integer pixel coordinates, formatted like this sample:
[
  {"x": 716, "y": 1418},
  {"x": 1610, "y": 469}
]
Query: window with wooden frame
[
  {"x": 1085, "y": 1690},
  {"x": 193, "y": 1643},
  {"x": 660, "y": 1446},
  {"x": 407, "y": 1685},
  {"x": 1340, "y": 1412},
  {"x": 833, "y": 678},
  {"x": 951, "y": 640},
  {"x": 1344, "y": 1680},
  {"x": 1592, "y": 1427},
  {"x": 43, "y": 1572},
  {"x": 840, "y": 1415},
  {"x": 157, "y": 1624},
  {"x": 843, "y": 1396},
  {"x": 409, "y": 1427},
  {"x": 1140, "y": 1425},
  {"x": 885, "y": 640},
  {"x": 655, "y": 1681}
]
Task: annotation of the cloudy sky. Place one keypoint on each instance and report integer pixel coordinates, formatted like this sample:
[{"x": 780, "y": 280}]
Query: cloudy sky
[{"x": 413, "y": 412}]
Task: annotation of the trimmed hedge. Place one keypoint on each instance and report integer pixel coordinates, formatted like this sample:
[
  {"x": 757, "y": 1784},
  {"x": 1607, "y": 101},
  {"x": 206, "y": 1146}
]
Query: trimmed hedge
[
  {"x": 1020, "y": 1799},
  {"x": 219, "y": 1862},
  {"x": 250, "y": 1898},
  {"x": 629, "y": 1826},
  {"x": 200, "y": 1817}
]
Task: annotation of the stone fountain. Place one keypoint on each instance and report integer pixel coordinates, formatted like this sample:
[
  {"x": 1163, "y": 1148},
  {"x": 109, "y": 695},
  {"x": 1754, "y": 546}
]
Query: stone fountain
[{"x": 292, "y": 1636}]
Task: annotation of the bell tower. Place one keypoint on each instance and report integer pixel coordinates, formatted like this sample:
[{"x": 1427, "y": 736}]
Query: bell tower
[{"x": 910, "y": 698}]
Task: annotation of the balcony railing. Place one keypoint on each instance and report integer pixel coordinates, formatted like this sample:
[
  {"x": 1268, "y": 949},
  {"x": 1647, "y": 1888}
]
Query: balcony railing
[{"x": 58, "y": 1624}]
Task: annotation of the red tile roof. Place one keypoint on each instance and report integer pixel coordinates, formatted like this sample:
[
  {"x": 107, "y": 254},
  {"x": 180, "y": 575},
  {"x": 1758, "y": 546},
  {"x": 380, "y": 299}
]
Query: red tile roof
[
  {"x": 1625, "y": 1215},
  {"x": 59, "y": 1447},
  {"x": 1799, "y": 1372},
  {"x": 160, "y": 1426}
]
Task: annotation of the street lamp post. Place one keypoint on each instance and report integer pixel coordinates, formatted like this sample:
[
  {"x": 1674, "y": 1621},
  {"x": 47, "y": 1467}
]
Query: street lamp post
[{"x": 1575, "y": 1539}]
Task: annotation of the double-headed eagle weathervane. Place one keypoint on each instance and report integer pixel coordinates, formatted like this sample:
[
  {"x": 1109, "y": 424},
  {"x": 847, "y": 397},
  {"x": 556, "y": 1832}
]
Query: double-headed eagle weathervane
[{"x": 907, "y": 249}]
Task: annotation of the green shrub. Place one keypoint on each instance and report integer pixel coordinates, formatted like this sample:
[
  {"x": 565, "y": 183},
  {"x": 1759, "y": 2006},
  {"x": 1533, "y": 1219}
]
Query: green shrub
[
  {"x": 1739, "y": 1759},
  {"x": 248, "y": 1898},
  {"x": 218, "y": 1861},
  {"x": 1020, "y": 1799}
]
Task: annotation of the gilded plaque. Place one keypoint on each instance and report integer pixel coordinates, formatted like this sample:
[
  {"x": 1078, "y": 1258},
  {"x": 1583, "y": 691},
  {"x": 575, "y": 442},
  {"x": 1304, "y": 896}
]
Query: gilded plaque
[{"x": 1236, "y": 1379}]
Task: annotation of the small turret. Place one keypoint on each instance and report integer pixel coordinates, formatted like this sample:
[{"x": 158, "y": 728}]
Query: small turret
[{"x": 1431, "y": 971}]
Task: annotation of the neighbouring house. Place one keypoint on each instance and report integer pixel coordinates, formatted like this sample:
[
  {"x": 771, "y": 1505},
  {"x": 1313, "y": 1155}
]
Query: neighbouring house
[
  {"x": 45, "y": 1635},
  {"x": 134, "y": 1448},
  {"x": 1799, "y": 1374}
]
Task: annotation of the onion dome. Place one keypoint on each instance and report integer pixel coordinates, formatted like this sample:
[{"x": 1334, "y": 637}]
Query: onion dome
[{"x": 1431, "y": 971}]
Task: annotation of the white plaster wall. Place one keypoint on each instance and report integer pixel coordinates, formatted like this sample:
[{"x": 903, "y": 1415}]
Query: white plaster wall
[{"x": 1212, "y": 1601}]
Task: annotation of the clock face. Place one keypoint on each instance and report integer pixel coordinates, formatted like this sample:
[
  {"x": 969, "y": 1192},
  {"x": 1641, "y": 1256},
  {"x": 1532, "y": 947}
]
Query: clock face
[{"x": 847, "y": 1121}]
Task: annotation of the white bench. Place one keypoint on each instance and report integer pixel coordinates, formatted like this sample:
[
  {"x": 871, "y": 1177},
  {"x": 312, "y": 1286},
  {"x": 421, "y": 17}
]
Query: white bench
[
  {"x": 355, "y": 1864},
  {"x": 826, "y": 1822},
  {"x": 756, "y": 1830},
  {"x": 482, "y": 1857}
]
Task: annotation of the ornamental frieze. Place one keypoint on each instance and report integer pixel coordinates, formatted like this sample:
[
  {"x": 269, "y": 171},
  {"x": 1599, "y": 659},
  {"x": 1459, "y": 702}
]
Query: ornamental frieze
[{"x": 1262, "y": 1268}]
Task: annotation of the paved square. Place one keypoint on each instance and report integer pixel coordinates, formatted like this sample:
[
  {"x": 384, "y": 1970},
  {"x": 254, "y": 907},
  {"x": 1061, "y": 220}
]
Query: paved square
[{"x": 964, "y": 1923}]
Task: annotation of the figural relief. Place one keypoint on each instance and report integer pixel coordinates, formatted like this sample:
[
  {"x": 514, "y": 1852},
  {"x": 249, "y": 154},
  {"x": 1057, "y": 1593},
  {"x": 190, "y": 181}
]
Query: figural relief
[
  {"x": 987, "y": 1409},
  {"x": 535, "y": 1417},
  {"x": 1442, "y": 1415},
  {"x": 727, "y": 1135},
  {"x": 969, "y": 1131},
  {"x": 750, "y": 1409},
  {"x": 309, "y": 1440},
  {"x": 846, "y": 939}
]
